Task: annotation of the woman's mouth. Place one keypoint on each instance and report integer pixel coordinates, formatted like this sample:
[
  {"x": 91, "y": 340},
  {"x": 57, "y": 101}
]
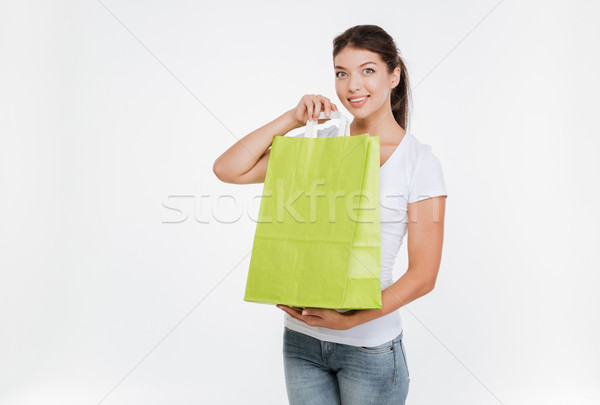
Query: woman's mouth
[{"x": 358, "y": 101}]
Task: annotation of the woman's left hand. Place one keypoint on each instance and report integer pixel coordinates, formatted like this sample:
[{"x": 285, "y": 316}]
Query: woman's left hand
[{"x": 322, "y": 317}]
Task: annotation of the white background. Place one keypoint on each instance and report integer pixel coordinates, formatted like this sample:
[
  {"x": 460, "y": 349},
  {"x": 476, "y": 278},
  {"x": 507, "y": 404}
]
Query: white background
[{"x": 113, "y": 111}]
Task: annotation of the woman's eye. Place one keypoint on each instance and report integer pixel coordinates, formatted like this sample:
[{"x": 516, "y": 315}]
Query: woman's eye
[{"x": 338, "y": 73}]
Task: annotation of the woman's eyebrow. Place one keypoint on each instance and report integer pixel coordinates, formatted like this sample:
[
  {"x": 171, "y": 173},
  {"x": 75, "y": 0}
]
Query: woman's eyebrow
[{"x": 341, "y": 67}]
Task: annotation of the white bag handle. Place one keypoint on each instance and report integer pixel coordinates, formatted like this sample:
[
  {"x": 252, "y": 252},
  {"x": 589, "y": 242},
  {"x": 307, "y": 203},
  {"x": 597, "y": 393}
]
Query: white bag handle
[{"x": 344, "y": 125}]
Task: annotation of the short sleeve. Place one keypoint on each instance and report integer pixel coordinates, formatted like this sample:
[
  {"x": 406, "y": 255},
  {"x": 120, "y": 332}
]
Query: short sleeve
[{"x": 428, "y": 177}]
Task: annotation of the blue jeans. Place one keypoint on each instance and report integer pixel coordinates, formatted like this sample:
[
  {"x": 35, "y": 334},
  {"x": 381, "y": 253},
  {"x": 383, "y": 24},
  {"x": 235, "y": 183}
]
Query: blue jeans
[{"x": 326, "y": 373}]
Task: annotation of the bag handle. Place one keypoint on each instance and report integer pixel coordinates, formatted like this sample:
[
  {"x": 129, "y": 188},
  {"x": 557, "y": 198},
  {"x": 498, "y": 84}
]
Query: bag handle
[{"x": 344, "y": 125}]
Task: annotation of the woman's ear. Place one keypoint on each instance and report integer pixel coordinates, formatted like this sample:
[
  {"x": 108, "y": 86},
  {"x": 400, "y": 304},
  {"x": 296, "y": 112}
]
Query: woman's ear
[{"x": 396, "y": 76}]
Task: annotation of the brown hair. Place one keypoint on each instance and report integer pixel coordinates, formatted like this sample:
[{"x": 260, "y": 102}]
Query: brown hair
[{"x": 375, "y": 39}]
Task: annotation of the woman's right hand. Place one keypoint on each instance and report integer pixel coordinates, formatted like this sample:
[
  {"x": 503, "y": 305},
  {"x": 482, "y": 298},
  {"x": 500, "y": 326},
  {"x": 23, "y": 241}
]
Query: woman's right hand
[{"x": 310, "y": 107}]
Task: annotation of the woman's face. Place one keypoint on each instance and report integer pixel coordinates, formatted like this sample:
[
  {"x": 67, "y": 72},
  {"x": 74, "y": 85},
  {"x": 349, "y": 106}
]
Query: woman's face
[{"x": 360, "y": 73}]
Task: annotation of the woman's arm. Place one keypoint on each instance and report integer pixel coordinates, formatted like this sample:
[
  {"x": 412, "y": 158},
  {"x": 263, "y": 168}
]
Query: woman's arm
[
  {"x": 246, "y": 161},
  {"x": 425, "y": 239}
]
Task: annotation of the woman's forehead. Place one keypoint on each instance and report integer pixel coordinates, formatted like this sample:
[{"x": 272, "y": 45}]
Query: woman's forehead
[{"x": 352, "y": 57}]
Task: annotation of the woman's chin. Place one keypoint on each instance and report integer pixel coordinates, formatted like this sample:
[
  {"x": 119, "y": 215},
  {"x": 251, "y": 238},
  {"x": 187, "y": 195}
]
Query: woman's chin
[{"x": 359, "y": 113}]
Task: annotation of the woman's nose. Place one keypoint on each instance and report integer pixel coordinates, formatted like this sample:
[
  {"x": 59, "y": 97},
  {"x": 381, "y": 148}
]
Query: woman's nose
[{"x": 355, "y": 83}]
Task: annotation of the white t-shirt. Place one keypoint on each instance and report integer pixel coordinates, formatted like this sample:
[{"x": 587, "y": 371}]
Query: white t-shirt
[{"x": 412, "y": 173}]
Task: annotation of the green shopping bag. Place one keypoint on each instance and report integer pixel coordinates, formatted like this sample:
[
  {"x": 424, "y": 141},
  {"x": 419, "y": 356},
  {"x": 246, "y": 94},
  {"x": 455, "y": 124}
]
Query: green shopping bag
[{"x": 317, "y": 241}]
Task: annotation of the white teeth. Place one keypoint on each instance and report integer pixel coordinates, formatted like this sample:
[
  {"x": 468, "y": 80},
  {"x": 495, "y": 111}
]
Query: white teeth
[{"x": 358, "y": 99}]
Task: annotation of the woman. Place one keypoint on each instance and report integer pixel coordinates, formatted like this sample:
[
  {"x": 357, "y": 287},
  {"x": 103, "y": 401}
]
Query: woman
[{"x": 357, "y": 357}]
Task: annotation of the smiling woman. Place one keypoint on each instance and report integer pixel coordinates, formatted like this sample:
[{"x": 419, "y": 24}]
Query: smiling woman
[{"x": 357, "y": 356}]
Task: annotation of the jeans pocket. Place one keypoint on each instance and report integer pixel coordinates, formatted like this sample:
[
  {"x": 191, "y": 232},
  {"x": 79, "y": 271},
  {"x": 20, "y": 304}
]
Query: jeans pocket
[
  {"x": 404, "y": 357},
  {"x": 382, "y": 348}
]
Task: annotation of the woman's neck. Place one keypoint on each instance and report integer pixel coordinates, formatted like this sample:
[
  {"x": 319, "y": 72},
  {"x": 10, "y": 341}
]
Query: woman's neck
[{"x": 383, "y": 125}]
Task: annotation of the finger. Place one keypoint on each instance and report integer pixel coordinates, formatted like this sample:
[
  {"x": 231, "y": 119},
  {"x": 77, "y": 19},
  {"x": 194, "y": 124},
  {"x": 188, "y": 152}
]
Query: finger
[
  {"x": 317, "y": 112},
  {"x": 300, "y": 114},
  {"x": 309, "y": 110},
  {"x": 327, "y": 107},
  {"x": 312, "y": 312},
  {"x": 294, "y": 314},
  {"x": 289, "y": 309}
]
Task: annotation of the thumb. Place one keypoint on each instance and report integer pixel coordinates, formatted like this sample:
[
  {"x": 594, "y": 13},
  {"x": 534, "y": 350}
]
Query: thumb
[{"x": 311, "y": 311}]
